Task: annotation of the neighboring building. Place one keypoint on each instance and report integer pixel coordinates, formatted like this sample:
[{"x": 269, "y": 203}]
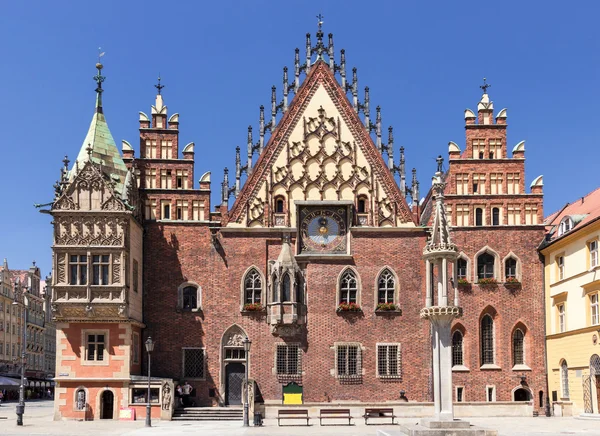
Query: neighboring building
[
  {"x": 50, "y": 330},
  {"x": 572, "y": 283},
  {"x": 27, "y": 285},
  {"x": 11, "y": 329},
  {"x": 317, "y": 262}
]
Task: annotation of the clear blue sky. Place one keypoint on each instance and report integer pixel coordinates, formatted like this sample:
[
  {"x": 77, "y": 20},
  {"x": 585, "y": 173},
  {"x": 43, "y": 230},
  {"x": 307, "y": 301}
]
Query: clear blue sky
[{"x": 423, "y": 61}]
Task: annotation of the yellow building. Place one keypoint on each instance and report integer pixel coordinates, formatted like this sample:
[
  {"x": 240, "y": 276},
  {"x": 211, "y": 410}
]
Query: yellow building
[{"x": 572, "y": 285}]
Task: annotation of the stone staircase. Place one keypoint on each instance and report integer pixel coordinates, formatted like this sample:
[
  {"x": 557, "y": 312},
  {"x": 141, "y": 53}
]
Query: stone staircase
[{"x": 208, "y": 414}]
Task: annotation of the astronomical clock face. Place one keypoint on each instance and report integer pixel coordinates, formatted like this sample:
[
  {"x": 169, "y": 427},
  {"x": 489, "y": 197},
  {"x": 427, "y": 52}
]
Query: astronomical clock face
[{"x": 323, "y": 230}]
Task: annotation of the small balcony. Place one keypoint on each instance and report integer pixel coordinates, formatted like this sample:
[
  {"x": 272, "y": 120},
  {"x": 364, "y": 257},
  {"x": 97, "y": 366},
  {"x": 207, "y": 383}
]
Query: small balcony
[{"x": 286, "y": 318}]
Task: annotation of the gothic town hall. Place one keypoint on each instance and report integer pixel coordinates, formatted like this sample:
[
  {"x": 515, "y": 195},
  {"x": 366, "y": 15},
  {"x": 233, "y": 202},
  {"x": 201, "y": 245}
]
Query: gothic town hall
[{"x": 314, "y": 254}]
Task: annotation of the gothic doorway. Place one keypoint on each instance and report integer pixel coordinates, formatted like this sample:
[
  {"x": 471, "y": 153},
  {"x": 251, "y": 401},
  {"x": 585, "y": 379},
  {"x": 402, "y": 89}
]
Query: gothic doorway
[
  {"x": 522, "y": 394},
  {"x": 233, "y": 383},
  {"x": 106, "y": 404},
  {"x": 233, "y": 365}
]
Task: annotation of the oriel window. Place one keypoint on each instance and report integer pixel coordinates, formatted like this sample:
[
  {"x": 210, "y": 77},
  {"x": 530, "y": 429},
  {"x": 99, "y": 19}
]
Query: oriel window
[
  {"x": 78, "y": 269},
  {"x": 100, "y": 267}
]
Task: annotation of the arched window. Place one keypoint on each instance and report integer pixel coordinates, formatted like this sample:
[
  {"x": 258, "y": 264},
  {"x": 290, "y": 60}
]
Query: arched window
[
  {"x": 478, "y": 216},
  {"x": 362, "y": 205},
  {"x": 510, "y": 268},
  {"x": 252, "y": 287},
  {"x": 461, "y": 268},
  {"x": 348, "y": 287},
  {"x": 80, "y": 399},
  {"x": 485, "y": 266},
  {"x": 487, "y": 340},
  {"x": 564, "y": 378},
  {"x": 279, "y": 205},
  {"x": 457, "y": 348},
  {"x": 495, "y": 216},
  {"x": 386, "y": 286},
  {"x": 565, "y": 225},
  {"x": 190, "y": 298},
  {"x": 518, "y": 347},
  {"x": 286, "y": 287}
]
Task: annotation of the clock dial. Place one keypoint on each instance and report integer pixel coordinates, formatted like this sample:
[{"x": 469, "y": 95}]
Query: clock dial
[{"x": 324, "y": 230}]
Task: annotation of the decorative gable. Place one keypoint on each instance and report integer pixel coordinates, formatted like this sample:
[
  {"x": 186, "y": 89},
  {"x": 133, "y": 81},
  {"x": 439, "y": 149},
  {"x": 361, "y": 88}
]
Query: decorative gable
[{"x": 320, "y": 151}]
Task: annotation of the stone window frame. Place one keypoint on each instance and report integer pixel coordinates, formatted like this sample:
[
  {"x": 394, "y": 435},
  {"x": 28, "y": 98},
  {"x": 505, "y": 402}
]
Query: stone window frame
[
  {"x": 100, "y": 264},
  {"x": 592, "y": 295},
  {"x": 487, "y": 249},
  {"x": 397, "y": 376},
  {"x": 87, "y": 398},
  {"x": 338, "y": 294},
  {"x": 468, "y": 275},
  {"x": 593, "y": 256},
  {"x": 487, "y": 393},
  {"x": 518, "y": 272},
  {"x": 283, "y": 377},
  {"x": 523, "y": 365},
  {"x": 180, "y": 290},
  {"x": 564, "y": 380},
  {"x": 143, "y": 386},
  {"x": 456, "y": 388},
  {"x": 204, "y": 363},
  {"x": 84, "y": 345},
  {"x": 262, "y": 286},
  {"x": 462, "y": 349},
  {"x": 360, "y": 366},
  {"x": 492, "y": 314},
  {"x": 396, "y": 293}
]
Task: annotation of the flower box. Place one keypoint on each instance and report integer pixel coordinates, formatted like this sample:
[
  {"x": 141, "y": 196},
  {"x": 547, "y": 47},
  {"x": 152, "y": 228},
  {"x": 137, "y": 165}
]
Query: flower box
[
  {"x": 348, "y": 307},
  {"x": 389, "y": 308},
  {"x": 253, "y": 307},
  {"x": 512, "y": 282},
  {"x": 487, "y": 282},
  {"x": 463, "y": 284}
]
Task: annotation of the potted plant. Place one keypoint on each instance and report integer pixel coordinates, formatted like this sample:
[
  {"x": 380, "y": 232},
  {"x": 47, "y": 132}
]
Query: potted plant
[
  {"x": 253, "y": 307},
  {"x": 348, "y": 307},
  {"x": 463, "y": 283}
]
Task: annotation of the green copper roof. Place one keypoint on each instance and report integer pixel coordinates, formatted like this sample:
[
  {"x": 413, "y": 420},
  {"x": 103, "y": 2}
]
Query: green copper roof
[{"x": 104, "y": 150}]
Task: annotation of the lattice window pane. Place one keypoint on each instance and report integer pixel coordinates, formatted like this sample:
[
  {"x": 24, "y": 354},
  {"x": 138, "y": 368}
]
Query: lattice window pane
[
  {"x": 487, "y": 340},
  {"x": 461, "y": 268},
  {"x": 564, "y": 373},
  {"x": 252, "y": 287},
  {"x": 457, "y": 349},
  {"x": 193, "y": 362},
  {"x": 190, "y": 298},
  {"x": 485, "y": 266},
  {"x": 288, "y": 360},
  {"x": 518, "y": 352},
  {"x": 511, "y": 268},
  {"x": 386, "y": 286},
  {"x": 348, "y": 288},
  {"x": 389, "y": 361},
  {"x": 348, "y": 361}
]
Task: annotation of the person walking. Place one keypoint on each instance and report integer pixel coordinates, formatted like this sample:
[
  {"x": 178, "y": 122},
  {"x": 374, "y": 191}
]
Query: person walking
[{"x": 1, "y": 397}]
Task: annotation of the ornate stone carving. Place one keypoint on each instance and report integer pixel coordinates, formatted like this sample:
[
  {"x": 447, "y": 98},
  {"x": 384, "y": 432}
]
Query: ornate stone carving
[
  {"x": 285, "y": 330},
  {"x": 88, "y": 230},
  {"x": 116, "y": 269},
  {"x": 61, "y": 268},
  {"x": 65, "y": 203},
  {"x": 441, "y": 311},
  {"x": 235, "y": 340},
  {"x": 123, "y": 310},
  {"x": 113, "y": 204},
  {"x": 166, "y": 397}
]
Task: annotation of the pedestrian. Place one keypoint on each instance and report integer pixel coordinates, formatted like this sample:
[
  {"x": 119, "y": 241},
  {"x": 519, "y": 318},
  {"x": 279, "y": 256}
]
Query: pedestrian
[
  {"x": 187, "y": 390},
  {"x": 1, "y": 398},
  {"x": 179, "y": 395}
]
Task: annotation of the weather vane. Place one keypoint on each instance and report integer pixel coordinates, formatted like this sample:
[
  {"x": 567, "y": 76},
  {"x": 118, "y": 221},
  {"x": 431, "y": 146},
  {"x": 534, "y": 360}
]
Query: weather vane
[
  {"x": 159, "y": 86},
  {"x": 485, "y": 86},
  {"x": 320, "y": 22},
  {"x": 100, "y": 53}
]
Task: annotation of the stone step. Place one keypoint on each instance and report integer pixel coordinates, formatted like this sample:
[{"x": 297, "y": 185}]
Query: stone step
[{"x": 206, "y": 418}]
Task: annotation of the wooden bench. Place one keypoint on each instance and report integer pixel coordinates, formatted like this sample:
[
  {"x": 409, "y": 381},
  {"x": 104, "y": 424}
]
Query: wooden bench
[
  {"x": 379, "y": 413},
  {"x": 292, "y": 414},
  {"x": 335, "y": 414}
]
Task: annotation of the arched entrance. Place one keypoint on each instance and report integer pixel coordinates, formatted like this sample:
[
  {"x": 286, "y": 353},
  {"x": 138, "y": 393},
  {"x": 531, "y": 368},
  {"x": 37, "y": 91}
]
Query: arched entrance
[
  {"x": 233, "y": 361},
  {"x": 107, "y": 401},
  {"x": 521, "y": 394}
]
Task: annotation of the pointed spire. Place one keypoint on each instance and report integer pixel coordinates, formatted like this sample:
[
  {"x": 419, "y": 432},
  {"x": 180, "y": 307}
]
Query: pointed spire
[
  {"x": 331, "y": 53},
  {"x": 354, "y": 89},
  {"x": 225, "y": 186},
  {"x": 296, "y": 69},
  {"x": 261, "y": 128},
  {"x": 238, "y": 170},
  {"x": 285, "y": 89},
  {"x": 390, "y": 147},
  {"x": 378, "y": 128},
  {"x": 273, "y": 107},
  {"x": 249, "y": 150},
  {"x": 366, "y": 109},
  {"x": 99, "y": 78},
  {"x": 402, "y": 170},
  {"x": 414, "y": 190}
]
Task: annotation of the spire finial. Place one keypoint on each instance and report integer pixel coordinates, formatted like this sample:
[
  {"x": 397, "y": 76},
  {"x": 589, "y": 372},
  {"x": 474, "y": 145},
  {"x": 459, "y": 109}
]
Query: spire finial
[
  {"x": 66, "y": 163},
  {"x": 99, "y": 78},
  {"x": 89, "y": 149},
  {"x": 485, "y": 86},
  {"x": 159, "y": 86},
  {"x": 320, "y": 21}
]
